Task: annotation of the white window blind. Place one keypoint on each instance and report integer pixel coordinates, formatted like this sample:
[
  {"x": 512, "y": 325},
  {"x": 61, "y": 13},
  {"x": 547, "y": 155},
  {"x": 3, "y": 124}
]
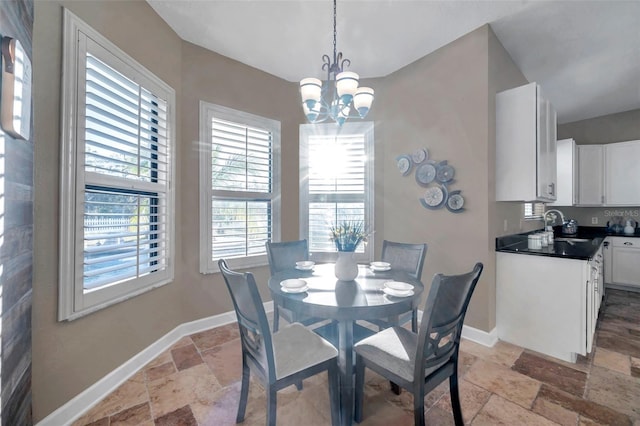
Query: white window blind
[
  {"x": 533, "y": 210},
  {"x": 336, "y": 186},
  {"x": 338, "y": 164},
  {"x": 117, "y": 203},
  {"x": 240, "y": 173},
  {"x": 126, "y": 156}
]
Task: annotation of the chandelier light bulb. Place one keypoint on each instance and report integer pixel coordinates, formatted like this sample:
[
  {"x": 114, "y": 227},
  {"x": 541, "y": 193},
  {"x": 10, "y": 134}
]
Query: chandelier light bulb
[
  {"x": 311, "y": 91},
  {"x": 346, "y": 85},
  {"x": 363, "y": 100}
]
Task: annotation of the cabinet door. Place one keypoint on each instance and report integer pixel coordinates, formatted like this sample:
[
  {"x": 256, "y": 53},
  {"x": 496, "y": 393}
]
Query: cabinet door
[
  {"x": 546, "y": 149},
  {"x": 565, "y": 171},
  {"x": 626, "y": 262},
  {"x": 590, "y": 319},
  {"x": 590, "y": 175},
  {"x": 622, "y": 173},
  {"x": 516, "y": 144}
]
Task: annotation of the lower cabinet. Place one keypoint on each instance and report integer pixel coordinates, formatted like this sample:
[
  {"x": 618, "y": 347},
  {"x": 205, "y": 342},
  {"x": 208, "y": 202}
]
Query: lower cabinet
[
  {"x": 547, "y": 304},
  {"x": 622, "y": 267}
]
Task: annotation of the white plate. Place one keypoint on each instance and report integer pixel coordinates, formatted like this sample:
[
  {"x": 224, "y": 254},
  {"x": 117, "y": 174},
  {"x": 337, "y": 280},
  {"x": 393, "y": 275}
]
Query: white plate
[
  {"x": 398, "y": 286},
  {"x": 302, "y": 268},
  {"x": 293, "y": 283},
  {"x": 380, "y": 265},
  {"x": 380, "y": 269},
  {"x": 295, "y": 290},
  {"x": 394, "y": 293}
]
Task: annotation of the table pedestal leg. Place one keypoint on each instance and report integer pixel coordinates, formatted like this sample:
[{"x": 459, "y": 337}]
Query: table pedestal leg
[{"x": 345, "y": 365}]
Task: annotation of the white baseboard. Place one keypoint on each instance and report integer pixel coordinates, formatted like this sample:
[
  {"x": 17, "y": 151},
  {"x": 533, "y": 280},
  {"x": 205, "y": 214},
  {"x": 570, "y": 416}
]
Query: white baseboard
[
  {"x": 480, "y": 336},
  {"x": 85, "y": 400},
  {"x": 475, "y": 335}
]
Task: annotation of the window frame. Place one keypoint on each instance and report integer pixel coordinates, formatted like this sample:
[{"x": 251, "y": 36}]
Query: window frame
[
  {"x": 208, "y": 111},
  {"x": 365, "y": 128},
  {"x": 79, "y": 39}
]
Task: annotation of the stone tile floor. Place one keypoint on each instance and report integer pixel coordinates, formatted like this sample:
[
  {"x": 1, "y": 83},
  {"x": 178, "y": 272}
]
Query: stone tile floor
[{"x": 196, "y": 382}]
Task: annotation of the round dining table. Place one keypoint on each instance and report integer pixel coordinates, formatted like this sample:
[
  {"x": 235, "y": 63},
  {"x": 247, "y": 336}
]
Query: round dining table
[{"x": 344, "y": 303}]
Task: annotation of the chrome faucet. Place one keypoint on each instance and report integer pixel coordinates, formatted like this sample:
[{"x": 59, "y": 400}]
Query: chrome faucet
[{"x": 552, "y": 211}]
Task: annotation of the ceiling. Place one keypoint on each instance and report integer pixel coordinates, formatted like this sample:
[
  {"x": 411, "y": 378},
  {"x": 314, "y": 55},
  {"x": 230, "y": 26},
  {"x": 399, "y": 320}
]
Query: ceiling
[{"x": 584, "y": 54}]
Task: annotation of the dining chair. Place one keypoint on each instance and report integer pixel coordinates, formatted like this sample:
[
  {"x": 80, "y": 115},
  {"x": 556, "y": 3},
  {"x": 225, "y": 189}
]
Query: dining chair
[
  {"x": 410, "y": 259},
  {"x": 282, "y": 256},
  {"x": 420, "y": 361},
  {"x": 280, "y": 359}
]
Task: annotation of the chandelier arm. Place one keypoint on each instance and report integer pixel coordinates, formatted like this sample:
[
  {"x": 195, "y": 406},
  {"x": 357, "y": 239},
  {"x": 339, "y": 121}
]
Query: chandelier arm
[{"x": 326, "y": 63}]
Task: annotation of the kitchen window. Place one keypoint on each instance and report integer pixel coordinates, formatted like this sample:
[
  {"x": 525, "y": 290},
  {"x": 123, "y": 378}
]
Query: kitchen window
[
  {"x": 336, "y": 184},
  {"x": 116, "y": 232},
  {"x": 533, "y": 211},
  {"x": 239, "y": 187}
]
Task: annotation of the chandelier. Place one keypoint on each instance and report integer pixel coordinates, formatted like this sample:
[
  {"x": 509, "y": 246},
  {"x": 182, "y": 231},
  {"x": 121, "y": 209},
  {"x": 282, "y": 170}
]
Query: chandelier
[{"x": 339, "y": 95}]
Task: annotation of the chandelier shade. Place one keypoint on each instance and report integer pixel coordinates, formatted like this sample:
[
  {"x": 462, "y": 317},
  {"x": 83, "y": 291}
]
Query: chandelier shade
[{"x": 336, "y": 97}]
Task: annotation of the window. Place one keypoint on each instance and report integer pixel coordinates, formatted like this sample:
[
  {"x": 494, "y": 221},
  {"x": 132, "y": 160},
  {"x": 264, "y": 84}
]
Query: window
[
  {"x": 116, "y": 232},
  {"x": 336, "y": 169},
  {"x": 533, "y": 210},
  {"x": 239, "y": 187}
]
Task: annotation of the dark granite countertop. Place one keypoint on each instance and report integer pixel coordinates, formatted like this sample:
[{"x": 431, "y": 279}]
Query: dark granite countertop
[{"x": 517, "y": 243}]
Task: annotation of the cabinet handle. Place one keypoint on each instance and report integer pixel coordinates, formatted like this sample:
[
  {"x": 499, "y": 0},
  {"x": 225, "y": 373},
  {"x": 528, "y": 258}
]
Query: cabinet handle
[
  {"x": 627, "y": 243},
  {"x": 552, "y": 188}
]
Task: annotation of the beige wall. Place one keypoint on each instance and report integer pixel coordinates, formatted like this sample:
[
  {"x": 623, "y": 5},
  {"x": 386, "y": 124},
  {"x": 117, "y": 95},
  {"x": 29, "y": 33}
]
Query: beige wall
[
  {"x": 443, "y": 102},
  {"x": 214, "y": 78},
  {"x": 623, "y": 126},
  {"x": 440, "y": 103},
  {"x": 70, "y": 356}
]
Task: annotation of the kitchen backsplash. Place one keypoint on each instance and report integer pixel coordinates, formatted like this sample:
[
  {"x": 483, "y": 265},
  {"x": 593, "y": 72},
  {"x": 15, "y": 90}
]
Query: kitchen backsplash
[{"x": 585, "y": 215}]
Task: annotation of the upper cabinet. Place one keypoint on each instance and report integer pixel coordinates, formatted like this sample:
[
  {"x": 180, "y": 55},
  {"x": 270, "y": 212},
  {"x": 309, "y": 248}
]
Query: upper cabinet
[
  {"x": 622, "y": 173},
  {"x": 609, "y": 175},
  {"x": 567, "y": 170},
  {"x": 590, "y": 175},
  {"x": 525, "y": 145}
]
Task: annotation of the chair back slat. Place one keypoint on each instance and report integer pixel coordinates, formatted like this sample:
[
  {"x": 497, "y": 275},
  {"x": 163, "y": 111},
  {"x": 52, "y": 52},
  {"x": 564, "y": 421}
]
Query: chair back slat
[
  {"x": 404, "y": 257},
  {"x": 284, "y": 255},
  {"x": 255, "y": 334},
  {"x": 441, "y": 325}
]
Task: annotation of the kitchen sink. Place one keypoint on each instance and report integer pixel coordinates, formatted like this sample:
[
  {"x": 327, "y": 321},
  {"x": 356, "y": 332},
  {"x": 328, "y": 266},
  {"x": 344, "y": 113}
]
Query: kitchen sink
[{"x": 572, "y": 240}]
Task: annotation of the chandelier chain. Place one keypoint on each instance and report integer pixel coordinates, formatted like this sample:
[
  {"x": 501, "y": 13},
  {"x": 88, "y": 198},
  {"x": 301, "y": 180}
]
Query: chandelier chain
[{"x": 335, "y": 31}]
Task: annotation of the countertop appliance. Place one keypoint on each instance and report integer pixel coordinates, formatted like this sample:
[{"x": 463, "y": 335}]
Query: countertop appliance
[{"x": 570, "y": 227}]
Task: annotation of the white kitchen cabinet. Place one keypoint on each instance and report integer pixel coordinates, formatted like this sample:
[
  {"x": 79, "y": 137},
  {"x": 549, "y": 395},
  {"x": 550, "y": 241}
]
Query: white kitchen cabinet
[
  {"x": 546, "y": 304},
  {"x": 622, "y": 173},
  {"x": 591, "y": 175},
  {"x": 567, "y": 169},
  {"x": 625, "y": 261},
  {"x": 609, "y": 175},
  {"x": 525, "y": 145}
]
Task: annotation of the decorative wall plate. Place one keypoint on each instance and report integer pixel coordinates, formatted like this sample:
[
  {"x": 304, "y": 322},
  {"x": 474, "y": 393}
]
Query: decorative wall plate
[
  {"x": 434, "y": 197},
  {"x": 435, "y": 176},
  {"x": 404, "y": 164},
  {"x": 425, "y": 174},
  {"x": 455, "y": 202},
  {"x": 420, "y": 155},
  {"x": 445, "y": 173}
]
